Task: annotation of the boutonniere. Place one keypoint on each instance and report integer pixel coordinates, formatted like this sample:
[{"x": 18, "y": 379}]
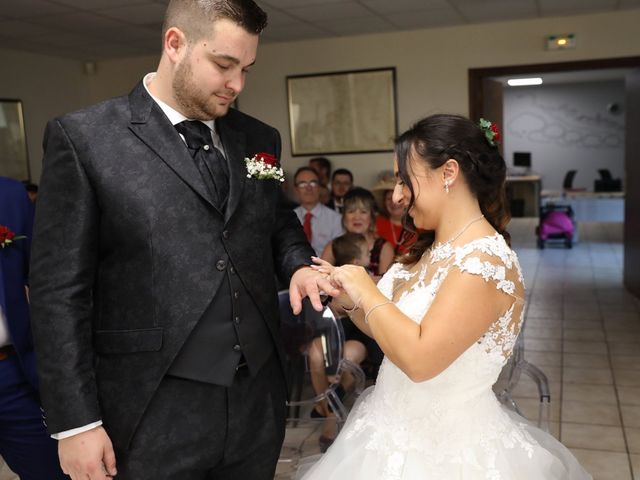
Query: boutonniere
[
  {"x": 7, "y": 237},
  {"x": 264, "y": 166}
]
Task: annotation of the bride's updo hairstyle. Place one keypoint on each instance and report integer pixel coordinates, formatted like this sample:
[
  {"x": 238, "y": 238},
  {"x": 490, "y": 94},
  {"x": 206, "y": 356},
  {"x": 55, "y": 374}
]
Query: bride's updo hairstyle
[{"x": 438, "y": 138}]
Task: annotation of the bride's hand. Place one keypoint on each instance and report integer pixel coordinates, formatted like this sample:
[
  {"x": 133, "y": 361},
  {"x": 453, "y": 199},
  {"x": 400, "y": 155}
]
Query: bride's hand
[
  {"x": 343, "y": 300},
  {"x": 354, "y": 280}
]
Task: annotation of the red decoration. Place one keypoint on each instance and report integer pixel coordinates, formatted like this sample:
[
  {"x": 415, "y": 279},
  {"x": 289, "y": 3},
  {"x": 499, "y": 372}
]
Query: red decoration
[
  {"x": 7, "y": 237},
  {"x": 267, "y": 158}
]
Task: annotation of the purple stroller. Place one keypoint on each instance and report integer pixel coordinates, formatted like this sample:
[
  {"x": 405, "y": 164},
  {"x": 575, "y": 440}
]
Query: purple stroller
[{"x": 556, "y": 222}]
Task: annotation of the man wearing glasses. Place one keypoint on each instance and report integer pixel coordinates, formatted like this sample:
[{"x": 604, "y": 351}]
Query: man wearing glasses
[{"x": 320, "y": 223}]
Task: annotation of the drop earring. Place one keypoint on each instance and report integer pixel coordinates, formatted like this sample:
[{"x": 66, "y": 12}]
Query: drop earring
[{"x": 446, "y": 186}]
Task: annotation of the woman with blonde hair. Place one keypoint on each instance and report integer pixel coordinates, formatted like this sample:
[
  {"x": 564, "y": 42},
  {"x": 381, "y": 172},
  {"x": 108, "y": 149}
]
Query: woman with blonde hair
[{"x": 359, "y": 216}]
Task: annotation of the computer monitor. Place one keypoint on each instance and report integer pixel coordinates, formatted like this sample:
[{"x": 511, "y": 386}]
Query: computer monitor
[{"x": 522, "y": 159}]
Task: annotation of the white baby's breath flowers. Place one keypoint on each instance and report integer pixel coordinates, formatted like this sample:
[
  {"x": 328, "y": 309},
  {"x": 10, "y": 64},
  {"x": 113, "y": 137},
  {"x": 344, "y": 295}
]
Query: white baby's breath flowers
[{"x": 258, "y": 168}]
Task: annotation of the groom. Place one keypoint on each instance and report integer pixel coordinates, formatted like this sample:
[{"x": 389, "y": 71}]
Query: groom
[{"x": 154, "y": 263}]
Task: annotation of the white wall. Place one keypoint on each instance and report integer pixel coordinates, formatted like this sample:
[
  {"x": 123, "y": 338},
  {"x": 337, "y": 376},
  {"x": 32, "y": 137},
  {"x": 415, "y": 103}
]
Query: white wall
[
  {"x": 432, "y": 67},
  {"x": 566, "y": 127},
  {"x": 48, "y": 87}
]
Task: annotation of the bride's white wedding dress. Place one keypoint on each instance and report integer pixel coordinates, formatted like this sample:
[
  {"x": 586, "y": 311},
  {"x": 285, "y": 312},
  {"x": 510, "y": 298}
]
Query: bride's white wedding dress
[{"x": 451, "y": 427}]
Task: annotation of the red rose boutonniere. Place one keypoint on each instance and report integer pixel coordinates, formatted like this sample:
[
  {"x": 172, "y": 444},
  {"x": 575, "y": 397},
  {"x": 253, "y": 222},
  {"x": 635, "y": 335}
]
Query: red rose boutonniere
[
  {"x": 7, "y": 237},
  {"x": 264, "y": 166}
]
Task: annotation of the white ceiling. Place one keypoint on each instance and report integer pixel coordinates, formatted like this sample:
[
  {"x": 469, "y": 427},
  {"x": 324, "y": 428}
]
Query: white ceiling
[{"x": 101, "y": 29}]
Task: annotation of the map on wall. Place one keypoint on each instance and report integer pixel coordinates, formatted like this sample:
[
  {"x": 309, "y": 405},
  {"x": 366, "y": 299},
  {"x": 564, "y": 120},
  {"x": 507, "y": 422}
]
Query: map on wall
[{"x": 345, "y": 112}]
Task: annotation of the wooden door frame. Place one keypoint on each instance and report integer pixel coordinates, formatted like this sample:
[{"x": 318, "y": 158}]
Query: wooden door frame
[{"x": 477, "y": 75}]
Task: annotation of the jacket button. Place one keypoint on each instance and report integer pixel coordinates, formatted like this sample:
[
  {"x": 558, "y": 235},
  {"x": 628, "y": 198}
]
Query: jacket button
[
  {"x": 231, "y": 269},
  {"x": 236, "y": 348},
  {"x": 237, "y": 320},
  {"x": 236, "y": 295},
  {"x": 225, "y": 234},
  {"x": 221, "y": 265}
]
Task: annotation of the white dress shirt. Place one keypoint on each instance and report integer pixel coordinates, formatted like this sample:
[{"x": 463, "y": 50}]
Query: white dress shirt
[
  {"x": 5, "y": 338},
  {"x": 326, "y": 224}
]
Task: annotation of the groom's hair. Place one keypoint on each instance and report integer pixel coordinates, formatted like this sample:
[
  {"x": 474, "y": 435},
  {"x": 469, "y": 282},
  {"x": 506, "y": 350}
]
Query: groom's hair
[{"x": 195, "y": 18}]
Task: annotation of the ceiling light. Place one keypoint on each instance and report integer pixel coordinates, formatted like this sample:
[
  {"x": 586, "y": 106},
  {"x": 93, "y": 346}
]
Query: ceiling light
[{"x": 521, "y": 82}]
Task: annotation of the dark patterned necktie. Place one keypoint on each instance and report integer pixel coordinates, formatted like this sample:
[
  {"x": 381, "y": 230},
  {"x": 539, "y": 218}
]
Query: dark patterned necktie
[{"x": 210, "y": 162}]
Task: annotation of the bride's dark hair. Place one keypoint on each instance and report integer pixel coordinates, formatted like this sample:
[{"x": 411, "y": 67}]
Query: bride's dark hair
[{"x": 441, "y": 137}]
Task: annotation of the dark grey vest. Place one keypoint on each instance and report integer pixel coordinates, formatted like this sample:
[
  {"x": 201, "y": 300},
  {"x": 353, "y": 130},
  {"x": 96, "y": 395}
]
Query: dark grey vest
[{"x": 231, "y": 331}]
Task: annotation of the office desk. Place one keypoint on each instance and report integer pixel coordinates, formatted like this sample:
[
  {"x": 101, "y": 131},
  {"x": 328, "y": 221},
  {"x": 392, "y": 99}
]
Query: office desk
[{"x": 523, "y": 194}]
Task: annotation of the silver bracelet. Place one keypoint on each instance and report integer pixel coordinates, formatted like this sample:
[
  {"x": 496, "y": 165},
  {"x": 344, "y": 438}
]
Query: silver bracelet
[{"x": 366, "y": 316}]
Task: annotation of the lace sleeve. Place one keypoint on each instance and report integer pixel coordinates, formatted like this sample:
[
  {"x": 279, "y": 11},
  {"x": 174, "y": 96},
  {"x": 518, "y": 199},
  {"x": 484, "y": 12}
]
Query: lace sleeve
[{"x": 495, "y": 262}]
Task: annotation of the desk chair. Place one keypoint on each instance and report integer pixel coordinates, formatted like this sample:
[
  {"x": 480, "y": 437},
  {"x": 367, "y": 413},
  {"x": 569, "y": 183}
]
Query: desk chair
[
  {"x": 567, "y": 184},
  {"x": 607, "y": 183},
  {"x": 605, "y": 174}
]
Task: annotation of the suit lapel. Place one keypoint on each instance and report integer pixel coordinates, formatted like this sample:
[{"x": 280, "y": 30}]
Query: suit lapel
[
  {"x": 150, "y": 124},
  {"x": 234, "y": 143}
]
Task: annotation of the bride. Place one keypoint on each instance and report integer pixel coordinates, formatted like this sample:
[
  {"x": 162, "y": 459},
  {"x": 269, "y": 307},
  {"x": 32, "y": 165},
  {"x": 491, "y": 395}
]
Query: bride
[{"x": 447, "y": 317}]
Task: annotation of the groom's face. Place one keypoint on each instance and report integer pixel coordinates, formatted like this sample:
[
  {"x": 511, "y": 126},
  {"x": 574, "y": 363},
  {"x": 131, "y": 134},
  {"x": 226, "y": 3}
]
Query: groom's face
[{"x": 211, "y": 73}]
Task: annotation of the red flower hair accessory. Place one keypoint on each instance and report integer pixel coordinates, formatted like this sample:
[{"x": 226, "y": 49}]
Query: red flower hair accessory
[{"x": 490, "y": 130}]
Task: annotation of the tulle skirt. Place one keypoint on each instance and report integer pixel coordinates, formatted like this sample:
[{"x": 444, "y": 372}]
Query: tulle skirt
[{"x": 541, "y": 457}]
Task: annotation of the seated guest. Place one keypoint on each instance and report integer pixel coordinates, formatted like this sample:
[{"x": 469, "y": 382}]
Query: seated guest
[
  {"x": 359, "y": 216},
  {"x": 287, "y": 200},
  {"x": 341, "y": 183},
  {"x": 322, "y": 166},
  {"x": 389, "y": 223},
  {"x": 320, "y": 223},
  {"x": 350, "y": 248}
]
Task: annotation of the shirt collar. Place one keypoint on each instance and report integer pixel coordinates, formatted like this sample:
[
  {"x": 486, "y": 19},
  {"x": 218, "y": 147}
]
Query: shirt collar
[
  {"x": 315, "y": 211},
  {"x": 172, "y": 114}
]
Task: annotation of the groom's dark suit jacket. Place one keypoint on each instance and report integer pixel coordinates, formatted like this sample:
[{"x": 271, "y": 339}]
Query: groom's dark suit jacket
[{"x": 126, "y": 248}]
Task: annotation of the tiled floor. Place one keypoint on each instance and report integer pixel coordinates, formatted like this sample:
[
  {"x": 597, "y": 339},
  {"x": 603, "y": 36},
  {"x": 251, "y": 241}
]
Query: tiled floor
[{"x": 583, "y": 331}]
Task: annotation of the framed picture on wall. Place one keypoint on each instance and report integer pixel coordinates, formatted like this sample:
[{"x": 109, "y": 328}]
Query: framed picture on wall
[
  {"x": 14, "y": 161},
  {"x": 342, "y": 112}
]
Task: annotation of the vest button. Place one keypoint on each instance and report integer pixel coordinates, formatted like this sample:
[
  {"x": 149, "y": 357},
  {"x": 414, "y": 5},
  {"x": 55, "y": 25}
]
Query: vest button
[
  {"x": 221, "y": 265},
  {"x": 236, "y": 348},
  {"x": 225, "y": 234}
]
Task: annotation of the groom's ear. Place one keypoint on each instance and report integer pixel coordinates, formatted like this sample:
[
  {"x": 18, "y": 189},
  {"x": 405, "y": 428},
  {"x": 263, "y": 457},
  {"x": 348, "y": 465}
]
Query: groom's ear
[{"x": 175, "y": 44}]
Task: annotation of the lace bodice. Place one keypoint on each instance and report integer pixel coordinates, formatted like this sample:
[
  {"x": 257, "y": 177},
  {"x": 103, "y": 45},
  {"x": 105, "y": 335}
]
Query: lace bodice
[
  {"x": 441, "y": 416},
  {"x": 414, "y": 289}
]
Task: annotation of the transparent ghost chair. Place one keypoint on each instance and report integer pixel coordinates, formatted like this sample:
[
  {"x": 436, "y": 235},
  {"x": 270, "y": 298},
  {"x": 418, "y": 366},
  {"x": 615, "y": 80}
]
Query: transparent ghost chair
[
  {"x": 314, "y": 347},
  {"x": 513, "y": 370}
]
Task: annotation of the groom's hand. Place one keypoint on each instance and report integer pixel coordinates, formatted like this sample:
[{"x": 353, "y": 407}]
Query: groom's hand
[
  {"x": 88, "y": 455},
  {"x": 307, "y": 282}
]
